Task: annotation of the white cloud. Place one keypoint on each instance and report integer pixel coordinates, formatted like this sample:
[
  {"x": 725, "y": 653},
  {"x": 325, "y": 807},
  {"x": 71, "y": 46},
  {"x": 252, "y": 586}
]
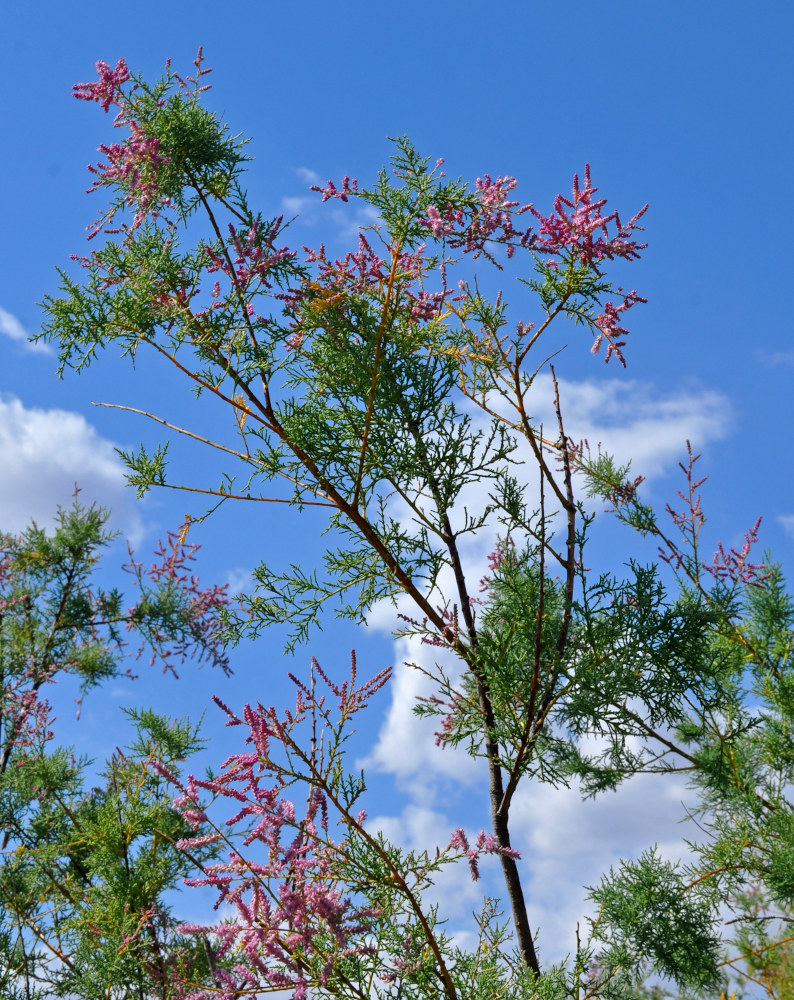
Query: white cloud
[
  {"x": 406, "y": 743},
  {"x": 11, "y": 327},
  {"x": 787, "y": 521},
  {"x": 305, "y": 205},
  {"x": 350, "y": 223},
  {"x": 42, "y": 454},
  {"x": 239, "y": 580},
  {"x": 296, "y": 206},
  {"x": 632, "y": 421},
  {"x": 346, "y": 221},
  {"x": 419, "y": 828},
  {"x": 567, "y": 844},
  {"x": 307, "y": 175}
]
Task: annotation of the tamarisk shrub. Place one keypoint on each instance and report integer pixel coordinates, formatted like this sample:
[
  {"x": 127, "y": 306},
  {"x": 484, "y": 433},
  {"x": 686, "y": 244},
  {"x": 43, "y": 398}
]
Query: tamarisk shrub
[{"x": 385, "y": 389}]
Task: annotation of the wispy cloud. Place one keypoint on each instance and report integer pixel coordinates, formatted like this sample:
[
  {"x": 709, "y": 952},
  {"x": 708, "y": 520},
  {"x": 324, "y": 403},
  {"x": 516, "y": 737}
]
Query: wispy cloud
[
  {"x": 239, "y": 580},
  {"x": 308, "y": 175},
  {"x": 781, "y": 358},
  {"x": 787, "y": 521},
  {"x": 11, "y": 327}
]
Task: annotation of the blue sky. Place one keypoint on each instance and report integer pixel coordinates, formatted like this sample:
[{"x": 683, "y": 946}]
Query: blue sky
[{"x": 685, "y": 106}]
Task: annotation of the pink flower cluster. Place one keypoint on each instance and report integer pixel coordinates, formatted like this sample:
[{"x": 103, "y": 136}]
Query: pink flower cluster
[
  {"x": 107, "y": 89},
  {"x": 331, "y": 191},
  {"x": 357, "y": 271},
  {"x": 622, "y": 494},
  {"x": 690, "y": 520},
  {"x": 609, "y": 328},
  {"x": 505, "y": 552},
  {"x": 426, "y": 304},
  {"x": 287, "y": 903},
  {"x": 578, "y": 226},
  {"x": 134, "y": 166},
  {"x": 442, "y": 225},
  {"x": 256, "y": 255},
  {"x": 734, "y": 565},
  {"x": 487, "y": 843},
  {"x": 496, "y": 213},
  {"x": 492, "y": 221},
  {"x": 364, "y": 272},
  {"x": 450, "y": 709},
  {"x": 26, "y": 715}
]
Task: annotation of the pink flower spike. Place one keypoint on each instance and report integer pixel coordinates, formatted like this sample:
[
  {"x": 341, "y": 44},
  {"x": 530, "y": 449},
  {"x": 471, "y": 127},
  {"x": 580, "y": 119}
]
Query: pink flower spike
[
  {"x": 579, "y": 227},
  {"x": 734, "y": 566},
  {"x": 165, "y": 772},
  {"x": 487, "y": 843},
  {"x": 439, "y": 226},
  {"x": 294, "y": 341},
  {"x": 458, "y": 840}
]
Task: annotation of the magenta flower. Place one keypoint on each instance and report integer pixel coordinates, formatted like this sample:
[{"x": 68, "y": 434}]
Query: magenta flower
[
  {"x": 441, "y": 225},
  {"x": 734, "y": 565},
  {"x": 492, "y": 221},
  {"x": 487, "y": 843},
  {"x": 134, "y": 166},
  {"x": 196, "y": 609},
  {"x": 287, "y": 899},
  {"x": 105, "y": 91},
  {"x": 331, "y": 191},
  {"x": 609, "y": 328},
  {"x": 294, "y": 341},
  {"x": 579, "y": 227}
]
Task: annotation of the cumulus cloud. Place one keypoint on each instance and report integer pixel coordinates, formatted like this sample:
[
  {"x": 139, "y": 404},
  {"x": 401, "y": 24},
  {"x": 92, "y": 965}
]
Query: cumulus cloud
[
  {"x": 567, "y": 844},
  {"x": 405, "y": 747},
  {"x": 42, "y": 454},
  {"x": 11, "y": 327},
  {"x": 633, "y": 421}
]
